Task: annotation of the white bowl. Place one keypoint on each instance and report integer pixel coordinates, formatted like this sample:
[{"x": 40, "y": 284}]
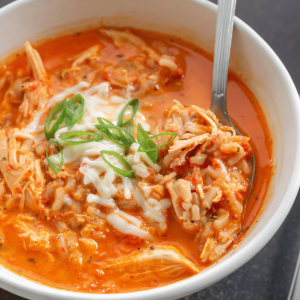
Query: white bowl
[{"x": 194, "y": 21}]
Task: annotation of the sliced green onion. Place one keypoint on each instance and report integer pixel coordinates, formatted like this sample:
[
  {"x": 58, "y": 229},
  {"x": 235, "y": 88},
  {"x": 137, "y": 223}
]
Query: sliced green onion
[
  {"x": 54, "y": 168},
  {"x": 129, "y": 128},
  {"x": 144, "y": 148},
  {"x": 134, "y": 103},
  {"x": 59, "y": 107},
  {"x": 142, "y": 136},
  {"x": 118, "y": 138},
  {"x": 126, "y": 173},
  {"x": 69, "y": 135},
  {"x": 74, "y": 111},
  {"x": 102, "y": 121},
  {"x": 71, "y": 113}
]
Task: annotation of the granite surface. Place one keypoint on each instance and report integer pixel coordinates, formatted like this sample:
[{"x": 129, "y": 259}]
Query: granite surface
[{"x": 269, "y": 274}]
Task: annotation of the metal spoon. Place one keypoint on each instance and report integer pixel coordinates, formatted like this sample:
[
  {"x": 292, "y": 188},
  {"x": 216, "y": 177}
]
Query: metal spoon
[
  {"x": 225, "y": 18},
  {"x": 294, "y": 293}
]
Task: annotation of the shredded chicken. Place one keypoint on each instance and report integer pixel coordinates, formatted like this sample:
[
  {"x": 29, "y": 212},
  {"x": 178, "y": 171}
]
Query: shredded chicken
[
  {"x": 213, "y": 155},
  {"x": 127, "y": 39},
  {"x": 36, "y": 90},
  {"x": 87, "y": 54},
  {"x": 162, "y": 261}
]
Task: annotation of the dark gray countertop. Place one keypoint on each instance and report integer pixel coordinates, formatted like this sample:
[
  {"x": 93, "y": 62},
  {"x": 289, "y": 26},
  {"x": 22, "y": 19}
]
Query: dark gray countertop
[{"x": 269, "y": 274}]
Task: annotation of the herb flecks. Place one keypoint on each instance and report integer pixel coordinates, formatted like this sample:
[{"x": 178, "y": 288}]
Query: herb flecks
[
  {"x": 211, "y": 218},
  {"x": 32, "y": 260}
]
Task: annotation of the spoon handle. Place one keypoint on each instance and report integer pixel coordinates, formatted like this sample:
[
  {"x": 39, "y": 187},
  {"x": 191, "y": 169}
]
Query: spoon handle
[
  {"x": 225, "y": 18},
  {"x": 294, "y": 293}
]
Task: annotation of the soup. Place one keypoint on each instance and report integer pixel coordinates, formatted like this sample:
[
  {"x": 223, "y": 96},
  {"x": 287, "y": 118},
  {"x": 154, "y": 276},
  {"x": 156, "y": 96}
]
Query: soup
[{"x": 110, "y": 185}]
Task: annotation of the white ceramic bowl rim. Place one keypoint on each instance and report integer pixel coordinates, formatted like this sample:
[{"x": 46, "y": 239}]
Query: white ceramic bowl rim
[{"x": 189, "y": 285}]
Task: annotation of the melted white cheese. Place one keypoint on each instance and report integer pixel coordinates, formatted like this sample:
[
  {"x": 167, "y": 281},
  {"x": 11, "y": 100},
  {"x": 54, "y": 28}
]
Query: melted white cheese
[
  {"x": 126, "y": 227},
  {"x": 23, "y": 135},
  {"x": 149, "y": 211},
  {"x": 68, "y": 92},
  {"x": 101, "y": 201},
  {"x": 95, "y": 170},
  {"x": 92, "y": 176},
  {"x": 130, "y": 218}
]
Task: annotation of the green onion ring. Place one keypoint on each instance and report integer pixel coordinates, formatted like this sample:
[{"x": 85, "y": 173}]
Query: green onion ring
[
  {"x": 74, "y": 112},
  {"x": 129, "y": 128},
  {"x": 142, "y": 146},
  {"x": 142, "y": 135},
  {"x": 106, "y": 131},
  {"x": 97, "y": 137},
  {"x": 134, "y": 103},
  {"x": 59, "y": 107},
  {"x": 126, "y": 141},
  {"x": 122, "y": 160},
  {"x": 120, "y": 139},
  {"x": 55, "y": 169}
]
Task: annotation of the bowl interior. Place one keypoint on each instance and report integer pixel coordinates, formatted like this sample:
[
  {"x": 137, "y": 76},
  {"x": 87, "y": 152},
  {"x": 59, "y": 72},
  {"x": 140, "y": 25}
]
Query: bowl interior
[{"x": 194, "y": 21}]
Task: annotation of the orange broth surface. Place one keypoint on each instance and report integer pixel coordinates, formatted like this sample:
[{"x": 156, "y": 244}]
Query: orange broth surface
[{"x": 243, "y": 107}]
